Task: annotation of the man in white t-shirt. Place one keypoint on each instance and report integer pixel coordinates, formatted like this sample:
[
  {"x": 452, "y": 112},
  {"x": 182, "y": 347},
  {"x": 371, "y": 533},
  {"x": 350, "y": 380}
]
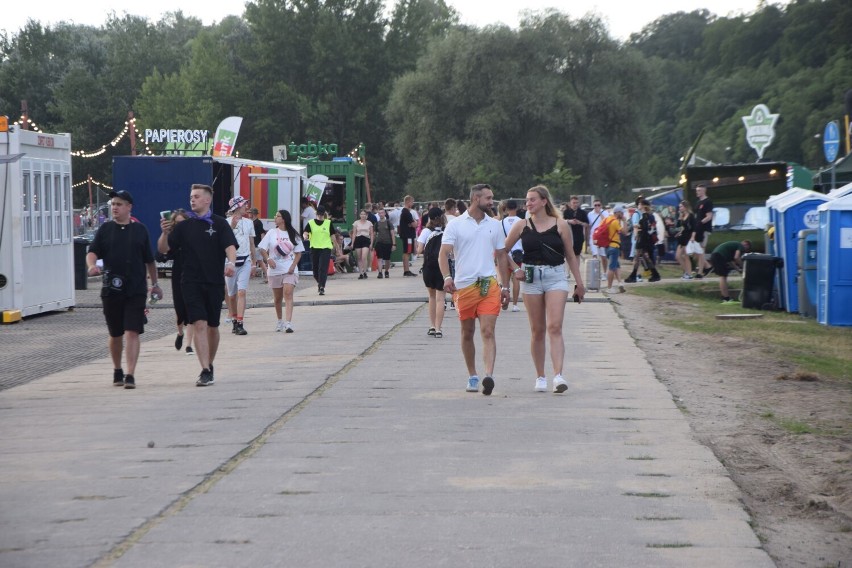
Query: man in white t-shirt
[
  {"x": 517, "y": 252},
  {"x": 596, "y": 217},
  {"x": 309, "y": 212},
  {"x": 475, "y": 239},
  {"x": 238, "y": 283}
]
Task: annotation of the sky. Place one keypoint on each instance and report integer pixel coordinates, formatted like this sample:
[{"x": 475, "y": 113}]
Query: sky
[{"x": 622, "y": 17}]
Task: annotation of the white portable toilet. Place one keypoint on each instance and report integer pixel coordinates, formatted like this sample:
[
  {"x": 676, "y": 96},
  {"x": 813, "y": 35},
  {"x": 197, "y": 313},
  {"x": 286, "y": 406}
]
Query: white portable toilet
[
  {"x": 36, "y": 240},
  {"x": 840, "y": 191}
]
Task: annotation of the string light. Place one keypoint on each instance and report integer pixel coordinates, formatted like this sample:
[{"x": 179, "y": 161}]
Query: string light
[
  {"x": 94, "y": 182},
  {"x": 354, "y": 155},
  {"x": 32, "y": 125}
]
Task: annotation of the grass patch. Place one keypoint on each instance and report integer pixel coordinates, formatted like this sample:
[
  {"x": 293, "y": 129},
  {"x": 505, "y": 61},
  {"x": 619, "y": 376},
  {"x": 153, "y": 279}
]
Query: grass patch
[
  {"x": 815, "y": 349},
  {"x": 795, "y": 427}
]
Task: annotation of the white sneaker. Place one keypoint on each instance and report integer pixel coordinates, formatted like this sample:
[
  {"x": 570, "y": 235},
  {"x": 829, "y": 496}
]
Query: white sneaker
[
  {"x": 541, "y": 384},
  {"x": 288, "y": 327},
  {"x": 515, "y": 308},
  {"x": 559, "y": 384},
  {"x": 279, "y": 326}
]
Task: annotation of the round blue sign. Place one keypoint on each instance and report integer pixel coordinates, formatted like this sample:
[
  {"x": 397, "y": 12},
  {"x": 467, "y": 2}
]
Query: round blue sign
[{"x": 831, "y": 141}]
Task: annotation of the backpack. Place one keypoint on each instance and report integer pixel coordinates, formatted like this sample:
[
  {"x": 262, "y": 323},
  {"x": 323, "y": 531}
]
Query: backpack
[
  {"x": 432, "y": 249},
  {"x": 600, "y": 236},
  {"x": 648, "y": 225}
]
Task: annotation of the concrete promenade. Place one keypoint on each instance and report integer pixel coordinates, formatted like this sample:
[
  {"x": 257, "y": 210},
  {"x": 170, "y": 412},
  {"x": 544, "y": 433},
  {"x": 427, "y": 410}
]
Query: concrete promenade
[{"x": 352, "y": 442}]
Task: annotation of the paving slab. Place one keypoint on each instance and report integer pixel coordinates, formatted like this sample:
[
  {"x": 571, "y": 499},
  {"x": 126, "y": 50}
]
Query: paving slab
[{"x": 352, "y": 443}]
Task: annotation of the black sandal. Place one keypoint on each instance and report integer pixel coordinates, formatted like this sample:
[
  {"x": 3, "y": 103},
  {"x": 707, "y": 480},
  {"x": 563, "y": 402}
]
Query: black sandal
[{"x": 431, "y": 331}]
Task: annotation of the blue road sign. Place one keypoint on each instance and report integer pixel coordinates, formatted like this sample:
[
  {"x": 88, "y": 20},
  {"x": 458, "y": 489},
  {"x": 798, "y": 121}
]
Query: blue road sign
[{"x": 831, "y": 141}]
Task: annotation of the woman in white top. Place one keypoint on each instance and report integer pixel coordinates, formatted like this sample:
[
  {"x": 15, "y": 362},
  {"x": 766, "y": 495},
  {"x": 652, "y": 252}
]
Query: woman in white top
[
  {"x": 363, "y": 237},
  {"x": 281, "y": 249}
]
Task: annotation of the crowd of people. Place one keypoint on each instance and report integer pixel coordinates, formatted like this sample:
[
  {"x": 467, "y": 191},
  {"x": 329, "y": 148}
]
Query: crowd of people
[{"x": 480, "y": 255}]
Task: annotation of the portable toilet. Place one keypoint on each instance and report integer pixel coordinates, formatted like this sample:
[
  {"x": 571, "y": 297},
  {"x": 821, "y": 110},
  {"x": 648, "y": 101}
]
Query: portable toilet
[
  {"x": 841, "y": 191},
  {"x": 794, "y": 214},
  {"x": 36, "y": 224},
  {"x": 834, "y": 262}
]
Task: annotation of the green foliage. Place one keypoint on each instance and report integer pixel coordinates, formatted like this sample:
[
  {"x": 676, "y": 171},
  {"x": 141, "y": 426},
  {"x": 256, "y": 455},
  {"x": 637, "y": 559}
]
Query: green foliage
[{"x": 439, "y": 105}]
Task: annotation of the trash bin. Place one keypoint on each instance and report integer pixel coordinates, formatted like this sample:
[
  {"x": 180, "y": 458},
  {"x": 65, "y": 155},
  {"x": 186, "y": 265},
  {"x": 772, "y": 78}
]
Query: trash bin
[
  {"x": 807, "y": 272},
  {"x": 758, "y": 281},
  {"x": 81, "y": 275}
]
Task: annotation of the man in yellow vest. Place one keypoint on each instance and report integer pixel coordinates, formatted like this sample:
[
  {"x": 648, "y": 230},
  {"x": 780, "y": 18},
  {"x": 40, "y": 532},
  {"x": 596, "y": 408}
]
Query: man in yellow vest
[{"x": 318, "y": 231}]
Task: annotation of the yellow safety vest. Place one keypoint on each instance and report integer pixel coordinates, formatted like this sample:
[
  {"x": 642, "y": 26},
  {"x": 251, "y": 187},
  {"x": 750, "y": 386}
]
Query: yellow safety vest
[{"x": 320, "y": 234}]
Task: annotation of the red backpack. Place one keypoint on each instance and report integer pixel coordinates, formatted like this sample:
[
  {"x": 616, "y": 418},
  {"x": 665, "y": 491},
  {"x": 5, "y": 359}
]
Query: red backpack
[{"x": 600, "y": 236}]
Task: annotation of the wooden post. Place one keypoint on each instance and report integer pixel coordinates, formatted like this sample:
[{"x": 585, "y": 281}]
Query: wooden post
[{"x": 131, "y": 122}]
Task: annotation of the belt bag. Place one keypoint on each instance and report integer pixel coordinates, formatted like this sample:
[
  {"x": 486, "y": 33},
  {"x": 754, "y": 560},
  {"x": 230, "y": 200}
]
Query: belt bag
[{"x": 241, "y": 260}]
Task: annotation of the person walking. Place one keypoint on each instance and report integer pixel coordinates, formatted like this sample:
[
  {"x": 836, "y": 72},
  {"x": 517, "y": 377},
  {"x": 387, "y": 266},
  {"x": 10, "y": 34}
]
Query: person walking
[
  {"x": 596, "y": 217},
  {"x": 645, "y": 232},
  {"x": 385, "y": 242},
  {"x": 684, "y": 234},
  {"x": 206, "y": 243},
  {"x": 125, "y": 249},
  {"x": 429, "y": 245},
  {"x": 617, "y": 229},
  {"x": 476, "y": 239},
  {"x": 281, "y": 249},
  {"x": 238, "y": 283},
  {"x": 407, "y": 233},
  {"x": 509, "y": 210},
  {"x": 185, "y": 330},
  {"x": 259, "y": 232},
  {"x": 578, "y": 219},
  {"x": 547, "y": 245},
  {"x": 363, "y": 236},
  {"x": 319, "y": 240}
]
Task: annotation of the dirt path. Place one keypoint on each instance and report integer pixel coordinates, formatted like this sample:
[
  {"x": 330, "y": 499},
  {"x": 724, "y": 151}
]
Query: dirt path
[{"x": 798, "y": 487}]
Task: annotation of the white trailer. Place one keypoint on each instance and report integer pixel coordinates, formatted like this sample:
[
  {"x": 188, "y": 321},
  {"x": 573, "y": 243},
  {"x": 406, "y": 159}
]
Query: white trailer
[{"x": 36, "y": 241}]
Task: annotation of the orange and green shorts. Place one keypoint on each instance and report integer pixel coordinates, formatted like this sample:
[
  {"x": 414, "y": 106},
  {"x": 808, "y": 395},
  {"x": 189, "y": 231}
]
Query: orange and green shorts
[{"x": 470, "y": 303}]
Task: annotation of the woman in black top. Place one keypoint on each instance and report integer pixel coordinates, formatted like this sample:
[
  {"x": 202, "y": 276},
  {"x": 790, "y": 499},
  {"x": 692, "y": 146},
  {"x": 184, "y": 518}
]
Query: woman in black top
[
  {"x": 684, "y": 233},
  {"x": 178, "y": 216},
  {"x": 548, "y": 243}
]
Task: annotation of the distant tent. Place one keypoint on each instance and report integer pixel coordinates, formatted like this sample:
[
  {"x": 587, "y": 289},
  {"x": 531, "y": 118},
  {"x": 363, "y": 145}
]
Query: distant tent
[{"x": 671, "y": 197}]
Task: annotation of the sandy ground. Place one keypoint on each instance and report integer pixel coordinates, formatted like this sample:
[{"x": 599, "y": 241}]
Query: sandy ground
[{"x": 798, "y": 487}]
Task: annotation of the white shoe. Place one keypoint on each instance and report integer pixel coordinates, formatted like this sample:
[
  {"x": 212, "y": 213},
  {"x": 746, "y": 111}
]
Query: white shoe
[
  {"x": 614, "y": 290},
  {"x": 541, "y": 384},
  {"x": 559, "y": 384},
  {"x": 515, "y": 308},
  {"x": 279, "y": 326}
]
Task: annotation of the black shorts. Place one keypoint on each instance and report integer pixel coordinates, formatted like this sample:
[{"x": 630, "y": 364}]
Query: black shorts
[
  {"x": 407, "y": 246},
  {"x": 383, "y": 250},
  {"x": 180, "y": 305},
  {"x": 432, "y": 278},
  {"x": 203, "y": 302},
  {"x": 124, "y": 313},
  {"x": 720, "y": 266},
  {"x": 362, "y": 242}
]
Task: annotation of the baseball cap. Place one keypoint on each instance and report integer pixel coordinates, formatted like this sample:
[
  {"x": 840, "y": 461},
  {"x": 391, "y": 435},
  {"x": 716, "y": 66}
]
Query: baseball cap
[
  {"x": 236, "y": 202},
  {"x": 320, "y": 210},
  {"x": 618, "y": 209},
  {"x": 122, "y": 194}
]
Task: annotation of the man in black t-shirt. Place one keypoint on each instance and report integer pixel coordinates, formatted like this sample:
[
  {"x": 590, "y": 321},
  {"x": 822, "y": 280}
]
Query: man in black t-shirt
[
  {"x": 579, "y": 222},
  {"x": 125, "y": 248},
  {"x": 407, "y": 233},
  {"x": 206, "y": 244},
  {"x": 704, "y": 227}
]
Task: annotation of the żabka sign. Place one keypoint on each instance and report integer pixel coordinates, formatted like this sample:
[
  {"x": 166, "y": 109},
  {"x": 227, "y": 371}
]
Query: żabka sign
[
  {"x": 175, "y": 136},
  {"x": 311, "y": 149}
]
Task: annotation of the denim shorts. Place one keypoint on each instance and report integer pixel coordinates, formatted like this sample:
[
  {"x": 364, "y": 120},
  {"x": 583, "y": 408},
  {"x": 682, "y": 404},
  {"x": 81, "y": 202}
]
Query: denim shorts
[
  {"x": 546, "y": 279},
  {"x": 612, "y": 254}
]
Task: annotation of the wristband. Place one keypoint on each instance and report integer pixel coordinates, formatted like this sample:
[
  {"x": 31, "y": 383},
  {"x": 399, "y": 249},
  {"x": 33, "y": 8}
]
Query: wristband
[
  {"x": 228, "y": 262},
  {"x": 447, "y": 278}
]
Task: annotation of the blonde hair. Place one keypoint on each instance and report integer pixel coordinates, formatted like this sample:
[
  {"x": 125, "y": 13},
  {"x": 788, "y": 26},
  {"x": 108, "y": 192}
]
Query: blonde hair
[{"x": 544, "y": 193}]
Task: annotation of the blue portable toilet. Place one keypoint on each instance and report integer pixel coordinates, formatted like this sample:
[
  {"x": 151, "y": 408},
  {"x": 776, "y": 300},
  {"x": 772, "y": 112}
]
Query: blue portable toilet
[
  {"x": 795, "y": 214},
  {"x": 834, "y": 262}
]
